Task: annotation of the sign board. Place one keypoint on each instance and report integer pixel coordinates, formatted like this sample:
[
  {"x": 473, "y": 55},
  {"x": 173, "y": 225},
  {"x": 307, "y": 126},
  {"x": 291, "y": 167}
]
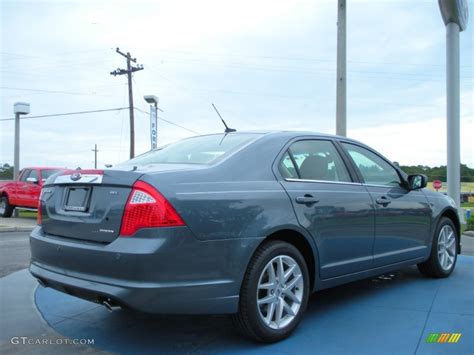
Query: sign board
[
  {"x": 153, "y": 127},
  {"x": 437, "y": 184},
  {"x": 455, "y": 11}
]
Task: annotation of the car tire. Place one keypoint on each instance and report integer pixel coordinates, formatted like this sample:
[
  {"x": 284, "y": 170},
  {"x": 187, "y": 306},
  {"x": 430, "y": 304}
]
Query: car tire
[
  {"x": 444, "y": 251},
  {"x": 6, "y": 209},
  {"x": 273, "y": 321}
]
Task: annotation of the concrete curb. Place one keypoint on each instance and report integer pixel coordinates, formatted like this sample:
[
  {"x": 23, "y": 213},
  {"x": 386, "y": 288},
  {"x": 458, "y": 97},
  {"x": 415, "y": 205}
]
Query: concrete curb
[
  {"x": 469, "y": 233},
  {"x": 15, "y": 229}
]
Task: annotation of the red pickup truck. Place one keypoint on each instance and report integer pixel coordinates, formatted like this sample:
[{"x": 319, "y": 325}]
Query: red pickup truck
[{"x": 25, "y": 191}]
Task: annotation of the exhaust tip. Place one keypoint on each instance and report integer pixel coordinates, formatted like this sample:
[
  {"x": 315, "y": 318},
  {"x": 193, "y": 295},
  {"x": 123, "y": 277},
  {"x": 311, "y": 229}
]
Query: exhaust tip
[{"x": 109, "y": 307}]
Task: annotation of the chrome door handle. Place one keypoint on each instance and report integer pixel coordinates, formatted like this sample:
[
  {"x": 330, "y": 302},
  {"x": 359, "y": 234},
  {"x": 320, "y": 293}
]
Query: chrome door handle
[
  {"x": 384, "y": 201},
  {"x": 306, "y": 200}
]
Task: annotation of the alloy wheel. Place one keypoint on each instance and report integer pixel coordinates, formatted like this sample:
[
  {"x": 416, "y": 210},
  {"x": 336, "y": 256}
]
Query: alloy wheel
[
  {"x": 446, "y": 247},
  {"x": 280, "y": 292}
]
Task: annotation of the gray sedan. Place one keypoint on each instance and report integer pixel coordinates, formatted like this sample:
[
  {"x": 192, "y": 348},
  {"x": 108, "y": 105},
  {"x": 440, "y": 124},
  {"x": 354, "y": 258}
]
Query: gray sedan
[{"x": 244, "y": 223}]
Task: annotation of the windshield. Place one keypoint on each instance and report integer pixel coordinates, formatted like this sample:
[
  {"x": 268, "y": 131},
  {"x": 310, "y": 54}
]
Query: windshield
[
  {"x": 195, "y": 150},
  {"x": 45, "y": 174}
]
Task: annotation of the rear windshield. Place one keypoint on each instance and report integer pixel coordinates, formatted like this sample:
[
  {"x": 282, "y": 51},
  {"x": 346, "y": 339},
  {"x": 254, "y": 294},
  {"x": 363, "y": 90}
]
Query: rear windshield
[{"x": 195, "y": 150}]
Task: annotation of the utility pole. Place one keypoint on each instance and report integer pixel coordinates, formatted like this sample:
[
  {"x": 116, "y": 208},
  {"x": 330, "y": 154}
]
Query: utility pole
[
  {"x": 341, "y": 94},
  {"x": 130, "y": 69},
  {"x": 95, "y": 150}
]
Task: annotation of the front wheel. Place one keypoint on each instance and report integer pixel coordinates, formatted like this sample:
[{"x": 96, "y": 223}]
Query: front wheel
[
  {"x": 6, "y": 209},
  {"x": 444, "y": 251},
  {"x": 274, "y": 293}
]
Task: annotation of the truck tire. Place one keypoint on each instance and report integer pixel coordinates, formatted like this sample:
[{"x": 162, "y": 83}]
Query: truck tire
[{"x": 6, "y": 209}]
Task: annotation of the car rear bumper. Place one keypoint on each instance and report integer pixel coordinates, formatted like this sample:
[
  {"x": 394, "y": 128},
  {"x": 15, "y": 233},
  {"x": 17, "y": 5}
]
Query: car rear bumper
[{"x": 164, "y": 270}]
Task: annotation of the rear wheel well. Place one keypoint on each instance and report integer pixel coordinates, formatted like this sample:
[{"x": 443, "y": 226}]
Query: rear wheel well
[
  {"x": 454, "y": 218},
  {"x": 299, "y": 242}
]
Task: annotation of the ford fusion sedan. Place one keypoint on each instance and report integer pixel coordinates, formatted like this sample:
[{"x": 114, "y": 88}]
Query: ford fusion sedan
[{"x": 244, "y": 223}]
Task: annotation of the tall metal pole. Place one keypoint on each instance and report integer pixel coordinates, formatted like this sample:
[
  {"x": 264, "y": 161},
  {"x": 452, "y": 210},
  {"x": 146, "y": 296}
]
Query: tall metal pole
[
  {"x": 341, "y": 98},
  {"x": 16, "y": 157},
  {"x": 453, "y": 111}
]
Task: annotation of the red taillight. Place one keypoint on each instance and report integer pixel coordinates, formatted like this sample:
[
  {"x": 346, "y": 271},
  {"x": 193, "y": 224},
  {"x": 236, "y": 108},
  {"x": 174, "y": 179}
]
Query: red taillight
[{"x": 147, "y": 208}]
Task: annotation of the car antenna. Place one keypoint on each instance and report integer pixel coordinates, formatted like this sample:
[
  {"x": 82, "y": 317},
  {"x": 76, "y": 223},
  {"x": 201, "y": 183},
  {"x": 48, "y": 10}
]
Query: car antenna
[{"x": 227, "y": 129}]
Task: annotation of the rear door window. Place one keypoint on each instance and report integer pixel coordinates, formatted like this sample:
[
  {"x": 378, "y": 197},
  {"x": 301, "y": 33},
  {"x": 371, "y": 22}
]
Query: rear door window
[{"x": 314, "y": 160}]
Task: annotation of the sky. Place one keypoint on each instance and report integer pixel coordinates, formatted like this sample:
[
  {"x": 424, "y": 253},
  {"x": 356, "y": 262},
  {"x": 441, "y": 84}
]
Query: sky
[{"x": 266, "y": 65}]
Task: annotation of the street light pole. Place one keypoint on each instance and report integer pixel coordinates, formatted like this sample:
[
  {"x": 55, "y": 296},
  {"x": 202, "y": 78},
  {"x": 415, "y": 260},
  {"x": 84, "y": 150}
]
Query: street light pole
[
  {"x": 19, "y": 108},
  {"x": 16, "y": 152},
  {"x": 455, "y": 16}
]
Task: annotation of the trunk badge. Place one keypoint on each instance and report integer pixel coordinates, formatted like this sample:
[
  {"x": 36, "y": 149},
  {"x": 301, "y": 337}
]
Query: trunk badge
[
  {"x": 76, "y": 176},
  {"x": 106, "y": 230}
]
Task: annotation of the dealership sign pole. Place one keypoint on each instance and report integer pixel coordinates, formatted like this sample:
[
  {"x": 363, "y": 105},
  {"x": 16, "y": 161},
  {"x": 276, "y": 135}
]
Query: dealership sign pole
[
  {"x": 153, "y": 101},
  {"x": 153, "y": 126},
  {"x": 455, "y": 16}
]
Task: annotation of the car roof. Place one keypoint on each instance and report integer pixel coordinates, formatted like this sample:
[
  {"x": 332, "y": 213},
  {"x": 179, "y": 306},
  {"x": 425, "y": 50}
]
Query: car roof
[
  {"x": 43, "y": 168},
  {"x": 289, "y": 134}
]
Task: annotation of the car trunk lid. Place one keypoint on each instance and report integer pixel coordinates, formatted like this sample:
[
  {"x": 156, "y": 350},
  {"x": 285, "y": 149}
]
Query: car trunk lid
[{"x": 86, "y": 204}]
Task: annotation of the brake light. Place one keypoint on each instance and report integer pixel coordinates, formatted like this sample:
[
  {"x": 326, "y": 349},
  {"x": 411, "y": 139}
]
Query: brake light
[{"x": 147, "y": 208}]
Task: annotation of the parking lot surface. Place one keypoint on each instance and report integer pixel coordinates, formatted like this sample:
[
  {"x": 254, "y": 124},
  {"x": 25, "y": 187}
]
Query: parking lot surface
[
  {"x": 386, "y": 315},
  {"x": 392, "y": 314}
]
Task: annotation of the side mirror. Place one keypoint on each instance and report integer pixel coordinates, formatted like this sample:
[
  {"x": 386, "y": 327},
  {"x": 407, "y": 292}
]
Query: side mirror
[
  {"x": 32, "y": 180},
  {"x": 417, "y": 181}
]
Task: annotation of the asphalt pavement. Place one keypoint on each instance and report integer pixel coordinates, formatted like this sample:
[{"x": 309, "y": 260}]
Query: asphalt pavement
[{"x": 14, "y": 252}]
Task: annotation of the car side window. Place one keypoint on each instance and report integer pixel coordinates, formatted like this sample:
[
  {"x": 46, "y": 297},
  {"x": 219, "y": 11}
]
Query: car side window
[
  {"x": 25, "y": 174},
  {"x": 34, "y": 174},
  {"x": 373, "y": 168},
  {"x": 315, "y": 160},
  {"x": 287, "y": 168}
]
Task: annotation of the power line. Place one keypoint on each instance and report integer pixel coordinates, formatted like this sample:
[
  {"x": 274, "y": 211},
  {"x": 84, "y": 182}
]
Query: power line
[
  {"x": 66, "y": 114},
  {"x": 169, "y": 122},
  {"x": 56, "y": 91}
]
